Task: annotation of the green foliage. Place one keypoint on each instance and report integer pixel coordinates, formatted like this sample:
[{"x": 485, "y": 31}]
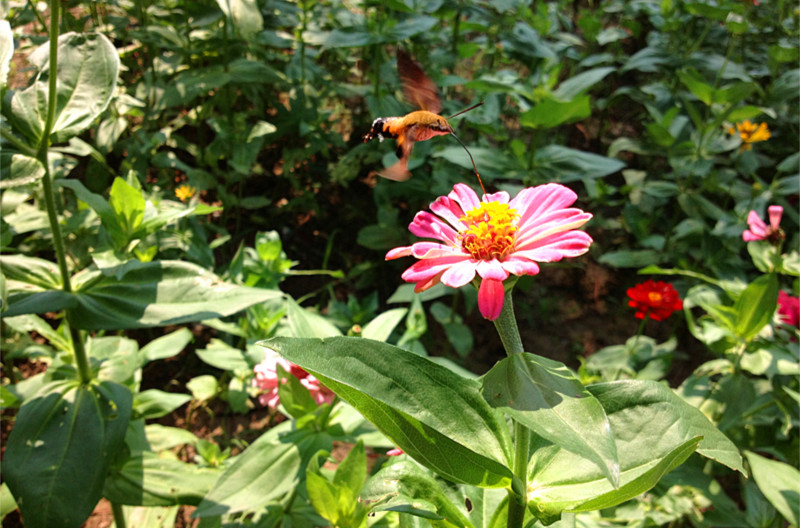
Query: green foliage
[{"x": 183, "y": 180}]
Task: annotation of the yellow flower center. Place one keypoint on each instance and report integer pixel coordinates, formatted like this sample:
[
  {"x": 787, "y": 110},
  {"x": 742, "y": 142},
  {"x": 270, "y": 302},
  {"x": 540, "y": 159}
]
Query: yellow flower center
[
  {"x": 491, "y": 231},
  {"x": 654, "y": 297}
]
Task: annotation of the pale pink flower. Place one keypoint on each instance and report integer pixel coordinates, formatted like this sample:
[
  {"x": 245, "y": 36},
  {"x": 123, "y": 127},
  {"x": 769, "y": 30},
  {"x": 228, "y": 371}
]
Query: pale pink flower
[
  {"x": 760, "y": 230},
  {"x": 266, "y": 379},
  {"x": 395, "y": 452},
  {"x": 493, "y": 238}
]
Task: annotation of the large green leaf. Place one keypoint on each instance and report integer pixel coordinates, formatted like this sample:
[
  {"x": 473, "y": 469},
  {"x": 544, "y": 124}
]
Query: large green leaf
[
  {"x": 305, "y": 323},
  {"x": 146, "y": 479},
  {"x": 87, "y": 75},
  {"x": 57, "y": 454},
  {"x": 580, "y": 83},
  {"x": 550, "y": 113},
  {"x": 268, "y": 469},
  {"x": 33, "y": 285},
  {"x": 382, "y": 326},
  {"x": 563, "y": 165},
  {"x": 221, "y": 355},
  {"x": 40, "y": 273},
  {"x": 654, "y": 431},
  {"x": 407, "y": 488},
  {"x": 667, "y": 417},
  {"x": 546, "y": 397},
  {"x": 755, "y": 305},
  {"x": 244, "y": 14},
  {"x": 167, "y": 345},
  {"x": 432, "y": 413},
  {"x": 780, "y": 484},
  {"x": 158, "y": 293},
  {"x": 154, "y": 403},
  {"x": 563, "y": 496},
  {"x": 18, "y": 170}
]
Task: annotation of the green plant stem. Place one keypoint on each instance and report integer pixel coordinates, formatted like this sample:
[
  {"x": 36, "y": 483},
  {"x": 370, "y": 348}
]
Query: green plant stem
[
  {"x": 119, "y": 515},
  {"x": 506, "y": 325},
  {"x": 640, "y": 331},
  {"x": 518, "y": 501},
  {"x": 44, "y": 145},
  {"x": 81, "y": 359}
]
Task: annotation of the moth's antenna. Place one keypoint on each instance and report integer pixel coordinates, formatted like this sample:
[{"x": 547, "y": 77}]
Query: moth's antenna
[
  {"x": 467, "y": 110},
  {"x": 470, "y": 155}
]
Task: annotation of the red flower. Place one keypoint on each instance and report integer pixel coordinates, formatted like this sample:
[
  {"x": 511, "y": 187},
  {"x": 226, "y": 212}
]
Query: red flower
[
  {"x": 656, "y": 300},
  {"x": 789, "y": 309}
]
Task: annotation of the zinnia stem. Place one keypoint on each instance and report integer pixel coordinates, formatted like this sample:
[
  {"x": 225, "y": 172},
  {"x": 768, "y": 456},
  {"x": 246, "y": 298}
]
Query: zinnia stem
[
  {"x": 517, "y": 503},
  {"x": 506, "y": 325}
]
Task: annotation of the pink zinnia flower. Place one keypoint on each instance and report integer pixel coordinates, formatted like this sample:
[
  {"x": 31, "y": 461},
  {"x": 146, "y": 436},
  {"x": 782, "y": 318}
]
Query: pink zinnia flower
[
  {"x": 789, "y": 309},
  {"x": 493, "y": 238},
  {"x": 760, "y": 230},
  {"x": 266, "y": 379}
]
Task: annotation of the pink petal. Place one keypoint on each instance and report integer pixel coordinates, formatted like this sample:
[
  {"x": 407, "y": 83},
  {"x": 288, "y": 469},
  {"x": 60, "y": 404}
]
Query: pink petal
[
  {"x": 758, "y": 229},
  {"x": 460, "y": 274},
  {"x": 520, "y": 266},
  {"x": 535, "y": 229},
  {"x": 424, "y": 270},
  {"x": 492, "y": 269},
  {"x": 775, "y": 213},
  {"x": 448, "y": 210},
  {"x": 500, "y": 196},
  {"x": 398, "y": 252},
  {"x": 464, "y": 196},
  {"x": 429, "y": 250},
  {"x": 749, "y": 236},
  {"x": 556, "y": 247},
  {"x": 426, "y": 225},
  {"x": 490, "y": 298},
  {"x": 430, "y": 283},
  {"x": 535, "y": 201}
]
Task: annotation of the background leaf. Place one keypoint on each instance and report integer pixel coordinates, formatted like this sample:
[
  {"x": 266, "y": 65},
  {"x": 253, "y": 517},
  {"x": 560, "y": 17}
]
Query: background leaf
[
  {"x": 146, "y": 479},
  {"x": 156, "y": 294},
  {"x": 755, "y": 305},
  {"x": 780, "y": 484},
  {"x": 64, "y": 435},
  {"x": 269, "y": 468},
  {"x": 87, "y": 75}
]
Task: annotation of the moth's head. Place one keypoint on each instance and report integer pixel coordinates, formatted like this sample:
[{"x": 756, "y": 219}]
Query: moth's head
[{"x": 378, "y": 129}]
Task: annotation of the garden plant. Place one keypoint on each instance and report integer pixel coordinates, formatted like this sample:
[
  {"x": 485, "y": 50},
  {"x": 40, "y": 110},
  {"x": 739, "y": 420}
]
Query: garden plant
[{"x": 581, "y": 310}]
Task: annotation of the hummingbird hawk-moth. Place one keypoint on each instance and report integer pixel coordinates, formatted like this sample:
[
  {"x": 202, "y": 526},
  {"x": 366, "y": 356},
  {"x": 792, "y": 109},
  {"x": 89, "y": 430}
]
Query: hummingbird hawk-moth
[{"x": 416, "y": 126}]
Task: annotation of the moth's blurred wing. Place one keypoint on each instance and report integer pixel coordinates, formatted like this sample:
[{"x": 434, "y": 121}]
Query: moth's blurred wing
[
  {"x": 405, "y": 142},
  {"x": 417, "y": 87}
]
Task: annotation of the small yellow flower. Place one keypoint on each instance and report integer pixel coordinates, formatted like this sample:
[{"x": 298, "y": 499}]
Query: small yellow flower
[
  {"x": 750, "y": 133},
  {"x": 184, "y": 192}
]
